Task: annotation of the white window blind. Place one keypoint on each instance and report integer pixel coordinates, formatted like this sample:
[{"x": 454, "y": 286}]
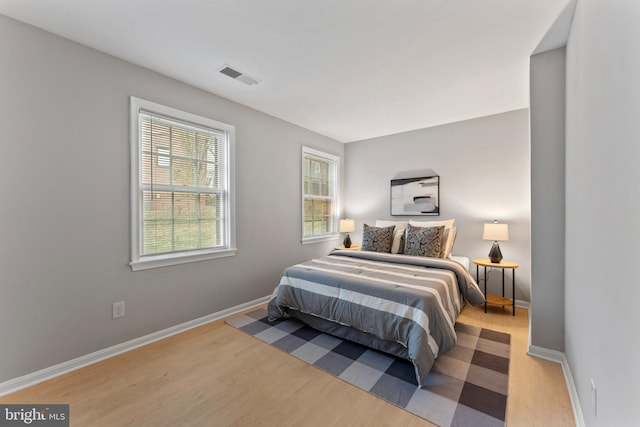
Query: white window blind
[
  {"x": 182, "y": 194},
  {"x": 319, "y": 194}
]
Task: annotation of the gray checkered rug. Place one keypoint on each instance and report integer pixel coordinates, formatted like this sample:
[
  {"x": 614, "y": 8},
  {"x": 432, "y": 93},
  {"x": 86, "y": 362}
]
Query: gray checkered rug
[{"x": 467, "y": 385}]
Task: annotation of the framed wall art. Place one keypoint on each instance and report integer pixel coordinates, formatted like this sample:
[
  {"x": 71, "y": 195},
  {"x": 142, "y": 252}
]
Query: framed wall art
[{"x": 415, "y": 196}]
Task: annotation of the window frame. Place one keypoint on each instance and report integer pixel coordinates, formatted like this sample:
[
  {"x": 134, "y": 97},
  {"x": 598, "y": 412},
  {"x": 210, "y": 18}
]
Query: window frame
[
  {"x": 334, "y": 162},
  {"x": 143, "y": 262}
]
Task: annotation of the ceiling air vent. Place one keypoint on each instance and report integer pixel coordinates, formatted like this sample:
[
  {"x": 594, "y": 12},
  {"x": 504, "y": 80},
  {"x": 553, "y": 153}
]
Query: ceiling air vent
[{"x": 237, "y": 75}]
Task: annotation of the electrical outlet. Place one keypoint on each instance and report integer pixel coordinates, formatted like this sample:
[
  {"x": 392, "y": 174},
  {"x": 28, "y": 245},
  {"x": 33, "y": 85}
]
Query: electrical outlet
[
  {"x": 118, "y": 309},
  {"x": 594, "y": 395}
]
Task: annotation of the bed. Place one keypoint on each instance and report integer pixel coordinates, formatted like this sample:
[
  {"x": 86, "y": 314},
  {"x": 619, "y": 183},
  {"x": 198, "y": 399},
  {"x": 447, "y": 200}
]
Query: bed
[{"x": 401, "y": 304}]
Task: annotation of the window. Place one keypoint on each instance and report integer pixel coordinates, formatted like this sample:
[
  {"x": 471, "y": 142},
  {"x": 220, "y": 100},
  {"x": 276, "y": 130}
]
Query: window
[
  {"x": 181, "y": 188},
  {"x": 319, "y": 195}
]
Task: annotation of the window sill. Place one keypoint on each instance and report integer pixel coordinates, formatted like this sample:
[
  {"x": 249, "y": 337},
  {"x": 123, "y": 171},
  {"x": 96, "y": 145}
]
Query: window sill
[{"x": 175, "y": 259}]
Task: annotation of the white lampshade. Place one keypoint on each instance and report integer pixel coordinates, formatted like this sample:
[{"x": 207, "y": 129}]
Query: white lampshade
[
  {"x": 347, "y": 225},
  {"x": 496, "y": 232}
]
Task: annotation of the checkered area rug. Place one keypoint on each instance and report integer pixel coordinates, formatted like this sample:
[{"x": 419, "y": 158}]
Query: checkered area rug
[{"x": 467, "y": 386}]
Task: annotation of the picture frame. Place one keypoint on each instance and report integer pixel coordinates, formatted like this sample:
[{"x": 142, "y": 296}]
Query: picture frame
[{"x": 415, "y": 196}]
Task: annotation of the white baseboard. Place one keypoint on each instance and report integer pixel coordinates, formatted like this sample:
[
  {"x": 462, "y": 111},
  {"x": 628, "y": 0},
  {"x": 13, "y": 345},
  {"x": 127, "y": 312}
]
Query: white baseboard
[
  {"x": 546, "y": 354},
  {"x": 28, "y": 380},
  {"x": 559, "y": 357}
]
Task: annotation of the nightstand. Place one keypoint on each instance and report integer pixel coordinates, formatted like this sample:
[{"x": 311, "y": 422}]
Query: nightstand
[
  {"x": 496, "y": 299},
  {"x": 352, "y": 248}
]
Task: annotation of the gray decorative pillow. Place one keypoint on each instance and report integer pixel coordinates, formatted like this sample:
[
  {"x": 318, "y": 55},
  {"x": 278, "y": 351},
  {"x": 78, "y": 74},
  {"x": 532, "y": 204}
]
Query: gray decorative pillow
[
  {"x": 424, "y": 241},
  {"x": 377, "y": 239}
]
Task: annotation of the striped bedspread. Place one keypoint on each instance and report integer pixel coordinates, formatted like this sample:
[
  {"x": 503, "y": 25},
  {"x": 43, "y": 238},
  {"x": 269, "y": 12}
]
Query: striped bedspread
[{"x": 412, "y": 301}]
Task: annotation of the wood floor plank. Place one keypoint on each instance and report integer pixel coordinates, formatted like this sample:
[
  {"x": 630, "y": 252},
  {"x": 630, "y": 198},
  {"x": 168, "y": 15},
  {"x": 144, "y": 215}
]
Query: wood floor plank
[{"x": 215, "y": 375}]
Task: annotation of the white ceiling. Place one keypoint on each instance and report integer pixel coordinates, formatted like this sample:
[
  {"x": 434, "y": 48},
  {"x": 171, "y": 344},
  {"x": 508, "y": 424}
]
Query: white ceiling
[{"x": 347, "y": 69}]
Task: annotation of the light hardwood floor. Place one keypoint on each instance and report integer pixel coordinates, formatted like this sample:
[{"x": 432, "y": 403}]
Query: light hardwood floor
[{"x": 214, "y": 375}]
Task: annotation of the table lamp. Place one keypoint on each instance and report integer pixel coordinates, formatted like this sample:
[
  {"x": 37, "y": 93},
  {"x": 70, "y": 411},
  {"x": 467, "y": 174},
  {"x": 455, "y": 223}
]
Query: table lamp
[
  {"x": 496, "y": 232},
  {"x": 347, "y": 226}
]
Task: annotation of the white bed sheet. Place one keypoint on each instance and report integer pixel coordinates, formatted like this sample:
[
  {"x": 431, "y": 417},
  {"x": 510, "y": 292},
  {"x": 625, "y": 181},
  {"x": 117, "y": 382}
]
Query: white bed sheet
[{"x": 466, "y": 262}]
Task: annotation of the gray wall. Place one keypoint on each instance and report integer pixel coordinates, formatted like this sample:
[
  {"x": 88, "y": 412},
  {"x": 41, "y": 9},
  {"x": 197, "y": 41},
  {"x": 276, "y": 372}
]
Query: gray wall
[
  {"x": 547, "y": 106},
  {"x": 484, "y": 173},
  {"x": 64, "y": 165},
  {"x": 603, "y": 209}
]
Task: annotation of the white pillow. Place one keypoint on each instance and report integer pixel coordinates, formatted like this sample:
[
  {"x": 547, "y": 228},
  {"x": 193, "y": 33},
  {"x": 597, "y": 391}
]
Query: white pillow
[
  {"x": 398, "y": 234},
  {"x": 449, "y": 235},
  {"x": 448, "y": 223},
  {"x": 450, "y": 240}
]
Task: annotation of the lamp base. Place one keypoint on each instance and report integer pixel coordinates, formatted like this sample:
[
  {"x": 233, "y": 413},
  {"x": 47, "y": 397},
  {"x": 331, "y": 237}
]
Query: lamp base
[
  {"x": 495, "y": 255},
  {"x": 347, "y": 241}
]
